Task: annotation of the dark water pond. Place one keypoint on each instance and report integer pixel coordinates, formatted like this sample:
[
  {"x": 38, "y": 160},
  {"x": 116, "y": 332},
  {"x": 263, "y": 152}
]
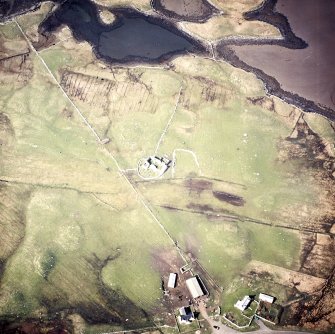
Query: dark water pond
[{"x": 132, "y": 37}]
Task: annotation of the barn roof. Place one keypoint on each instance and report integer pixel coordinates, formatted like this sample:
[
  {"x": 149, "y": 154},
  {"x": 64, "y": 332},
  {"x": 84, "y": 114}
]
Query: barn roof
[{"x": 194, "y": 287}]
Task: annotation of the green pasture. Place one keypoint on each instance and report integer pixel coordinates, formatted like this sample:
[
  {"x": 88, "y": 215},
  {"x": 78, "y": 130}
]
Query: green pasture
[
  {"x": 49, "y": 147},
  {"x": 133, "y": 134},
  {"x": 224, "y": 248},
  {"x": 239, "y": 143},
  {"x": 80, "y": 212},
  {"x": 68, "y": 236}
]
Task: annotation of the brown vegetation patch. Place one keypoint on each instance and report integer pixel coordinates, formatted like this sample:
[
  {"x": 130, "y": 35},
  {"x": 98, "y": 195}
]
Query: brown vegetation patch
[
  {"x": 315, "y": 312},
  {"x": 13, "y": 202},
  {"x": 67, "y": 113},
  {"x": 211, "y": 91},
  {"x": 264, "y": 101},
  {"x": 43, "y": 42},
  {"x": 6, "y": 131},
  {"x": 197, "y": 185},
  {"x": 110, "y": 95},
  {"x": 306, "y": 149},
  {"x": 166, "y": 260},
  {"x": 317, "y": 256},
  {"x": 302, "y": 282},
  {"x": 203, "y": 208},
  {"x": 229, "y": 198},
  {"x": 93, "y": 90},
  {"x": 208, "y": 89},
  {"x": 17, "y": 69},
  {"x": 32, "y": 326},
  {"x": 212, "y": 198},
  {"x": 196, "y": 188}
]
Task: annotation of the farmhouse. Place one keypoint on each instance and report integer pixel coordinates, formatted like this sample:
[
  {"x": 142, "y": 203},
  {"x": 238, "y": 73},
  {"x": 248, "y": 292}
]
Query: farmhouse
[
  {"x": 266, "y": 298},
  {"x": 243, "y": 304},
  {"x": 172, "y": 280},
  {"x": 186, "y": 315},
  {"x": 194, "y": 287},
  {"x": 153, "y": 167}
]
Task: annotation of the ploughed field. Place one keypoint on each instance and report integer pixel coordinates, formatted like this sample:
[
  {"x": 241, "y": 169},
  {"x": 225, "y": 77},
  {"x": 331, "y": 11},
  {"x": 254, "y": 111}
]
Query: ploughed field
[{"x": 85, "y": 243}]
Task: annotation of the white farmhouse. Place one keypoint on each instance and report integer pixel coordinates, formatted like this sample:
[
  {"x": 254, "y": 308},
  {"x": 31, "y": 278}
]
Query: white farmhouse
[
  {"x": 243, "y": 304},
  {"x": 186, "y": 315}
]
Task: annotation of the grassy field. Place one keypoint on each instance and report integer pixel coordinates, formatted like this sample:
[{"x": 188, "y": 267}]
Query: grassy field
[
  {"x": 233, "y": 25},
  {"x": 139, "y": 105},
  {"x": 224, "y": 248},
  {"x": 68, "y": 237},
  {"x": 75, "y": 235},
  {"x": 239, "y": 153},
  {"x": 71, "y": 226},
  {"x": 237, "y": 143}
]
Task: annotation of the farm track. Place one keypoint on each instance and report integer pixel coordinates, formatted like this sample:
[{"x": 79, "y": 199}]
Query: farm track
[
  {"x": 139, "y": 196},
  {"x": 232, "y": 217},
  {"x": 169, "y": 121},
  {"x": 49, "y": 186}
]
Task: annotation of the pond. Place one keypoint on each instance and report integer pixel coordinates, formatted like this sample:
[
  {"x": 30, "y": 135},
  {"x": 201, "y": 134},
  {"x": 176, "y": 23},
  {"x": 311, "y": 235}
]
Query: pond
[{"x": 133, "y": 36}]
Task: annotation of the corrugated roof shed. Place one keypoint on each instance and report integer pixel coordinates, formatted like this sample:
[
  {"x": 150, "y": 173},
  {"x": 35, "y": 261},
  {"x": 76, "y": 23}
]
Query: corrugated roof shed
[
  {"x": 194, "y": 287},
  {"x": 172, "y": 280}
]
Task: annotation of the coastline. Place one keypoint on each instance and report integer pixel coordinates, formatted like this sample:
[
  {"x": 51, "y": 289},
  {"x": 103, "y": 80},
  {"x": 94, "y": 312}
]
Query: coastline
[{"x": 267, "y": 13}]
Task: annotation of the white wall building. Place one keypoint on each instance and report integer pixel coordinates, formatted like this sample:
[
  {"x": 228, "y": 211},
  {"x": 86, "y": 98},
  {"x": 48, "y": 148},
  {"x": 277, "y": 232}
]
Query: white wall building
[
  {"x": 186, "y": 315},
  {"x": 243, "y": 304},
  {"x": 172, "y": 280},
  {"x": 266, "y": 298}
]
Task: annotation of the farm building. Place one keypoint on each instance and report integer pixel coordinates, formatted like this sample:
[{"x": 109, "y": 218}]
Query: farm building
[
  {"x": 266, "y": 298},
  {"x": 243, "y": 304},
  {"x": 153, "y": 167},
  {"x": 172, "y": 280},
  {"x": 194, "y": 287},
  {"x": 185, "y": 315}
]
